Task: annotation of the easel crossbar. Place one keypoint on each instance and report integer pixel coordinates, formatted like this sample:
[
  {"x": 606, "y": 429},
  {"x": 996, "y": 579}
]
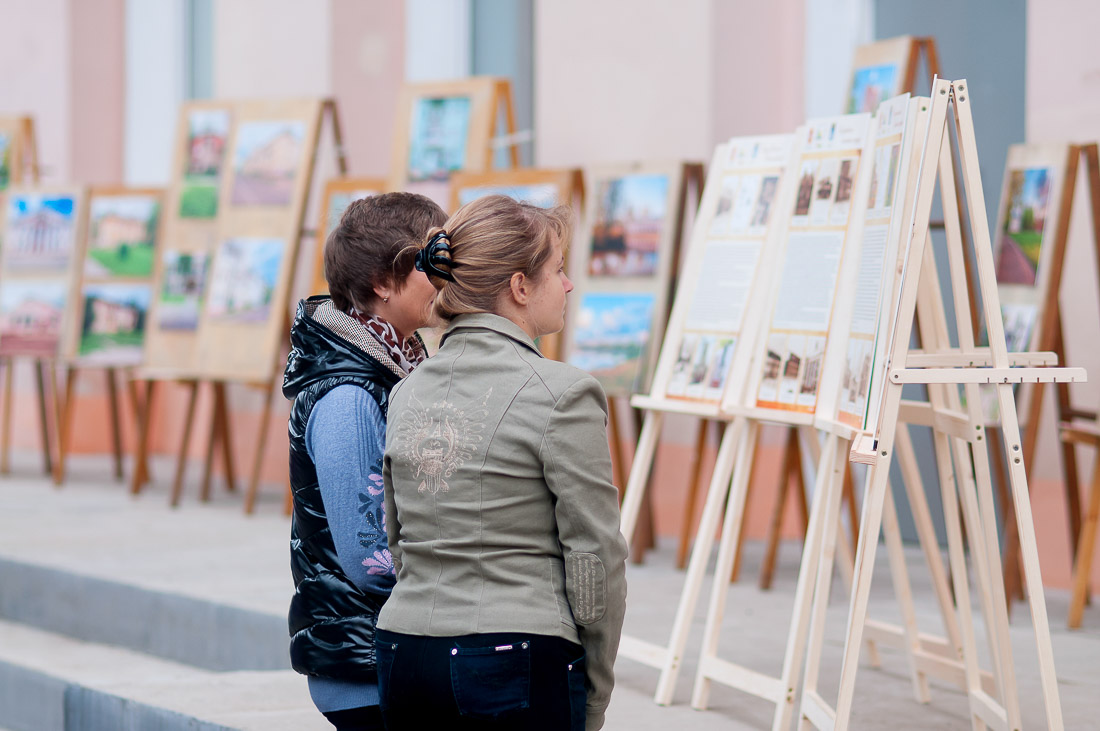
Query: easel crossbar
[
  {"x": 990, "y": 376},
  {"x": 922, "y": 413},
  {"x": 978, "y": 358},
  {"x": 742, "y": 678},
  {"x": 647, "y": 653}
]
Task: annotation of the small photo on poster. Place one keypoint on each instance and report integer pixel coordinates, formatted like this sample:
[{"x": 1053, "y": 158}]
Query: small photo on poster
[
  {"x": 700, "y": 363},
  {"x": 811, "y": 371},
  {"x": 681, "y": 370},
  {"x": 1021, "y": 231},
  {"x": 805, "y": 192},
  {"x": 843, "y": 202},
  {"x": 630, "y": 216},
  {"x": 856, "y": 381},
  {"x": 721, "y": 224},
  {"x": 743, "y": 203},
  {"x": 763, "y": 208},
  {"x": 790, "y": 374},
  {"x": 824, "y": 192},
  {"x": 438, "y": 136},
  {"x": 774, "y": 358},
  {"x": 721, "y": 360}
]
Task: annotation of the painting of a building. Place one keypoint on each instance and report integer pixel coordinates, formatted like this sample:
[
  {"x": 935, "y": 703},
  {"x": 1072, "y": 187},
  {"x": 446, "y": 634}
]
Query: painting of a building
[
  {"x": 122, "y": 234},
  {"x": 267, "y": 158},
  {"x": 31, "y": 314},
  {"x": 113, "y": 325},
  {"x": 40, "y": 232},
  {"x": 243, "y": 280}
]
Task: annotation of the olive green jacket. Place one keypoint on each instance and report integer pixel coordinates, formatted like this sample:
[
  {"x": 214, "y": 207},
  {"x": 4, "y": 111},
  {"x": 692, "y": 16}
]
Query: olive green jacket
[{"x": 500, "y": 511}]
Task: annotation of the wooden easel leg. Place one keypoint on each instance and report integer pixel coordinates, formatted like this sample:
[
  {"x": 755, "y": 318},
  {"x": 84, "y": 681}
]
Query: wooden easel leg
[
  {"x": 211, "y": 445},
  {"x": 693, "y": 494},
  {"x": 141, "y": 464},
  {"x": 44, "y": 414},
  {"x": 899, "y": 574},
  {"x": 1069, "y": 449},
  {"x": 8, "y": 366},
  {"x": 144, "y": 426},
  {"x": 638, "y": 482},
  {"x": 749, "y": 487},
  {"x": 647, "y": 538},
  {"x": 704, "y": 541},
  {"x": 791, "y": 469},
  {"x": 1086, "y": 547},
  {"x": 185, "y": 442},
  {"x": 258, "y": 460},
  {"x": 63, "y": 407},
  {"x": 116, "y": 420},
  {"x": 850, "y": 500},
  {"x": 221, "y": 411},
  {"x": 616, "y": 444}
]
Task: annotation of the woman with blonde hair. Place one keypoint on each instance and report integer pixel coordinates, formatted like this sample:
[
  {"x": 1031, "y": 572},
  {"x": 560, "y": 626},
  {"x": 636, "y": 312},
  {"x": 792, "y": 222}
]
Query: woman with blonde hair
[{"x": 502, "y": 519}]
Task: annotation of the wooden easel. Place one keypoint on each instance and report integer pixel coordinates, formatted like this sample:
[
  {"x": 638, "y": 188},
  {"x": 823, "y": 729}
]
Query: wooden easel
[
  {"x": 944, "y": 370},
  {"x": 1051, "y": 338}
]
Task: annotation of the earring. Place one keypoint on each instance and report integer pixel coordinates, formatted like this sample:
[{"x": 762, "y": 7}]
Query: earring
[{"x": 385, "y": 300}]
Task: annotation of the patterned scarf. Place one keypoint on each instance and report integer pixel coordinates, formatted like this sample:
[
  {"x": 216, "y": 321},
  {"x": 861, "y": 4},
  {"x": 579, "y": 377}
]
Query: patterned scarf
[{"x": 406, "y": 355}]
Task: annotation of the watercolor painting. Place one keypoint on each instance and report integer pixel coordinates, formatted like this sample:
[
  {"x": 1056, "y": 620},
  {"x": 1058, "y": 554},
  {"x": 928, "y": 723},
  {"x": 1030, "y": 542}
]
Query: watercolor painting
[
  {"x": 243, "y": 280},
  {"x": 31, "y": 312},
  {"x": 112, "y": 329},
  {"x": 40, "y": 231},
  {"x": 611, "y": 338},
  {"x": 630, "y": 216},
  {"x": 543, "y": 195},
  {"x": 181, "y": 292},
  {"x": 870, "y": 86},
  {"x": 5, "y": 160},
  {"x": 437, "y": 138},
  {"x": 122, "y": 233},
  {"x": 1021, "y": 233},
  {"x": 207, "y": 136},
  {"x": 266, "y": 162}
]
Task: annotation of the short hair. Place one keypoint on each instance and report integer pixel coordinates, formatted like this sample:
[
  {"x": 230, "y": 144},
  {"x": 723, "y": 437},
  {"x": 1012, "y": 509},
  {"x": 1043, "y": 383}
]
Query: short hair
[
  {"x": 368, "y": 247},
  {"x": 491, "y": 239}
]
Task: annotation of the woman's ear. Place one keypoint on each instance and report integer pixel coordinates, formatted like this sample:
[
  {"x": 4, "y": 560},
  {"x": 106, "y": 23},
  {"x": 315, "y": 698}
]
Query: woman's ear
[{"x": 520, "y": 288}]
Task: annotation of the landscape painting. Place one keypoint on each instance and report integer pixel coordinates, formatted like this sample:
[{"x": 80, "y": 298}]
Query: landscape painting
[
  {"x": 40, "y": 231},
  {"x": 266, "y": 161},
  {"x": 1021, "y": 231},
  {"x": 31, "y": 312},
  {"x": 611, "y": 338},
  {"x": 112, "y": 329},
  {"x": 439, "y": 131},
  {"x": 630, "y": 217},
  {"x": 243, "y": 280},
  {"x": 207, "y": 136},
  {"x": 543, "y": 195},
  {"x": 122, "y": 233},
  {"x": 183, "y": 283}
]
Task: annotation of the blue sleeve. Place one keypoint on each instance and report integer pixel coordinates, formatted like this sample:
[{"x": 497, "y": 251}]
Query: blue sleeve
[{"x": 345, "y": 438}]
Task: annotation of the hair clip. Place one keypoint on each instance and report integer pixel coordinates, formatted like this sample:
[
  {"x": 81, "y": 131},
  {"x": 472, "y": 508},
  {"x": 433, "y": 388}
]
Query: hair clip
[{"x": 431, "y": 258}]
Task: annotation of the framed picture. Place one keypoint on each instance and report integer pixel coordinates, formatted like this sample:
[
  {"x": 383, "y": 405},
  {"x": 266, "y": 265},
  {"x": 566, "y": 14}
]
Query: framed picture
[
  {"x": 622, "y": 266},
  {"x": 32, "y": 313},
  {"x": 266, "y": 161},
  {"x": 880, "y": 71},
  {"x": 18, "y": 158},
  {"x": 40, "y": 230},
  {"x": 242, "y": 284},
  {"x": 112, "y": 323},
  {"x": 122, "y": 234},
  {"x": 338, "y": 195},
  {"x": 543, "y": 188},
  {"x": 207, "y": 137},
  {"x": 182, "y": 285}
]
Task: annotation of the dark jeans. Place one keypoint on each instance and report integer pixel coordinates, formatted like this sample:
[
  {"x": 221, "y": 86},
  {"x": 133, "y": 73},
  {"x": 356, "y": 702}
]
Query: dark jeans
[
  {"x": 488, "y": 682},
  {"x": 367, "y": 718}
]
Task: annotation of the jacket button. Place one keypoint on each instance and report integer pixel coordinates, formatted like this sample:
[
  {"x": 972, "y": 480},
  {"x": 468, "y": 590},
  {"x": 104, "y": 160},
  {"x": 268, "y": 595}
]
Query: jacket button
[
  {"x": 570, "y": 667},
  {"x": 454, "y": 650},
  {"x": 393, "y": 646}
]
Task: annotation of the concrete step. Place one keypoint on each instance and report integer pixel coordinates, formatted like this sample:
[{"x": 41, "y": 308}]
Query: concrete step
[
  {"x": 202, "y": 632},
  {"x": 49, "y": 682}
]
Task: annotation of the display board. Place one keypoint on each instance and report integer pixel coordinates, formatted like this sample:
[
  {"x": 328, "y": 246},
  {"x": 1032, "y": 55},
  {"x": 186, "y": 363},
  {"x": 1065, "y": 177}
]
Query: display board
[
  {"x": 42, "y": 230},
  {"x": 446, "y": 126},
  {"x": 880, "y": 71},
  {"x": 261, "y": 210},
  {"x": 867, "y": 313},
  {"x": 622, "y": 270},
  {"x": 831, "y": 188},
  {"x": 190, "y": 220},
  {"x": 114, "y": 282},
  {"x": 338, "y": 195},
  {"x": 18, "y": 160},
  {"x": 725, "y": 268}
]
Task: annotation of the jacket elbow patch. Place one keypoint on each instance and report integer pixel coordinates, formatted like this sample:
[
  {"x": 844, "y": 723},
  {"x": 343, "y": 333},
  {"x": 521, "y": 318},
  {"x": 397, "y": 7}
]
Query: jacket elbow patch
[{"x": 588, "y": 588}]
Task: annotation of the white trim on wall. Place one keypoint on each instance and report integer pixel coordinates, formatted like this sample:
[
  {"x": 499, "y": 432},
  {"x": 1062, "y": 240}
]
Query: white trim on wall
[
  {"x": 155, "y": 75},
  {"x": 834, "y": 28},
  {"x": 437, "y": 39}
]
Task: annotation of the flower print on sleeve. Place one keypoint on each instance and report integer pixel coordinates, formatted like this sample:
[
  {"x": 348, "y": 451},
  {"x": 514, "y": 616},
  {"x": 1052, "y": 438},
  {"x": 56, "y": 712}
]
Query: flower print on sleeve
[{"x": 379, "y": 561}]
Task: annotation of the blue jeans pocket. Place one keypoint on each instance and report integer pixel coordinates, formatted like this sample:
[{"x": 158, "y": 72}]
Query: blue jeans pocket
[
  {"x": 578, "y": 695},
  {"x": 491, "y": 682}
]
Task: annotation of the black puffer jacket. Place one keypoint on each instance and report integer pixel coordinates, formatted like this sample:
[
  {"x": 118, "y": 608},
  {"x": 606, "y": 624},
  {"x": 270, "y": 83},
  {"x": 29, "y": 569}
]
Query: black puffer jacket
[{"x": 331, "y": 620}]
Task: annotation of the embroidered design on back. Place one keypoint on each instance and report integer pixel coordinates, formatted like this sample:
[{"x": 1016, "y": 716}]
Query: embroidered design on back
[{"x": 437, "y": 440}]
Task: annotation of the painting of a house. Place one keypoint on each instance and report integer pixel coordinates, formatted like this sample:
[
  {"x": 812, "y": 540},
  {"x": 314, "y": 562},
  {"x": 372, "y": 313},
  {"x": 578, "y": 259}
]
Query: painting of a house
[
  {"x": 112, "y": 329},
  {"x": 31, "y": 313},
  {"x": 182, "y": 287},
  {"x": 122, "y": 233},
  {"x": 266, "y": 162},
  {"x": 243, "y": 280},
  {"x": 40, "y": 232},
  {"x": 631, "y": 212},
  {"x": 207, "y": 131}
]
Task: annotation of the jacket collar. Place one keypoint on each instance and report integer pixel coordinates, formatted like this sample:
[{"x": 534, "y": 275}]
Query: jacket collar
[{"x": 489, "y": 321}]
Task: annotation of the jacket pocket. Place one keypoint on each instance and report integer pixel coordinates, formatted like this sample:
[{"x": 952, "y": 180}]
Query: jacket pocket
[{"x": 493, "y": 681}]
